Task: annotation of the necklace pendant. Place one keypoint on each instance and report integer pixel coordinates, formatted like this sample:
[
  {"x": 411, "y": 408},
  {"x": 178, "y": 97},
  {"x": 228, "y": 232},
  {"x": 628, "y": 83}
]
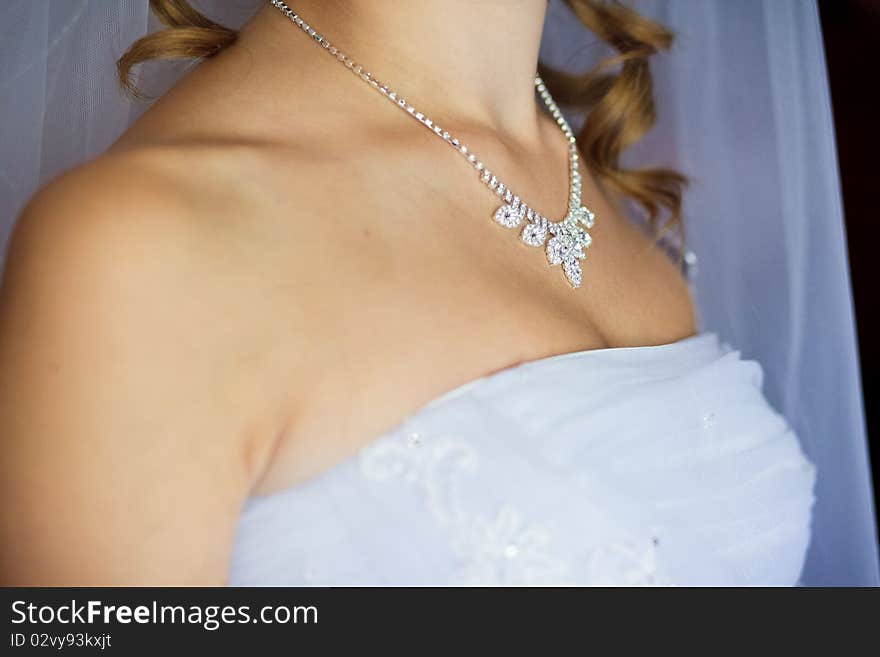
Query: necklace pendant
[
  {"x": 567, "y": 246},
  {"x": 535, "y": 233},
  {"x": 569, "y": 238},
  {"x": 511, "y": 214},
  {"x": 572, "y": 269},
  {"x": 586, "y": 216}
]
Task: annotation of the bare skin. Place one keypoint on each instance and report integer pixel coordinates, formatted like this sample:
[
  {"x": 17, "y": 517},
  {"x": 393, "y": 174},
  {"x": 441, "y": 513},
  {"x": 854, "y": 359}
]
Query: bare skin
[{"x": 271, "y": 269}]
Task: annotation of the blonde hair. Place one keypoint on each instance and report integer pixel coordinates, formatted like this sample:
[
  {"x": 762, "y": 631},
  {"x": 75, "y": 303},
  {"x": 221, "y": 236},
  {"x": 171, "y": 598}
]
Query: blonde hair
[{"x": 616, "y": 96}]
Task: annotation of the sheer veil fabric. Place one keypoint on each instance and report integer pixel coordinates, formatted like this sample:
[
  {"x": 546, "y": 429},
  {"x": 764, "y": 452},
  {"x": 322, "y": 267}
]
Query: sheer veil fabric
[{"x": 743, "y": 109}]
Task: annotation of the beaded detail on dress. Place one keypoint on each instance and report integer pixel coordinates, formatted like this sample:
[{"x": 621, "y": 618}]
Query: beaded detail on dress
[{"x": 503, "y": 547}]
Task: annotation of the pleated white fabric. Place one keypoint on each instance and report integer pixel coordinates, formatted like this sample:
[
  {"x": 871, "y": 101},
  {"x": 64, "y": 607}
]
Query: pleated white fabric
[{"x": 657, "y": 465}]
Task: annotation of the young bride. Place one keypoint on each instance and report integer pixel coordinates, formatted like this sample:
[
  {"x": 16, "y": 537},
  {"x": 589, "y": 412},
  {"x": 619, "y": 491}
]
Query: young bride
[{"x": 353, "y": 304}]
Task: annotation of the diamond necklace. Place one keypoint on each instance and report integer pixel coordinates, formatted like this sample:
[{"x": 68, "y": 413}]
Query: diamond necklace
[{"x": 568, "y": 237}]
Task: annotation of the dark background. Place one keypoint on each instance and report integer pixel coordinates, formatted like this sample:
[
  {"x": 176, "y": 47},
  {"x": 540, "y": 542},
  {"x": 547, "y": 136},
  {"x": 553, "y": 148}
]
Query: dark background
[{"x": 851, "y": 29}]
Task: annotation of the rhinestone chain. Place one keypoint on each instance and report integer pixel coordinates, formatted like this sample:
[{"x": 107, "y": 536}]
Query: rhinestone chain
[{"x": 567, "y": 247}]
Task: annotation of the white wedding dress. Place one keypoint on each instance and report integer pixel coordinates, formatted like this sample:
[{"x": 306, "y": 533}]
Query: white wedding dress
[{"x": 660, "y": 465}]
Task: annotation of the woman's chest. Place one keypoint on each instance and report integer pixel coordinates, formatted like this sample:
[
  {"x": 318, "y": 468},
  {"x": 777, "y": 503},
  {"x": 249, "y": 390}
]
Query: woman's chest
[{"x": 398, "y": 303}]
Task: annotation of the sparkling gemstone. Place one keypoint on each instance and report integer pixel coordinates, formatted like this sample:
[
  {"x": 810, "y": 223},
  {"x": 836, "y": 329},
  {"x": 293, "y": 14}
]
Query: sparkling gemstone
[
  {"x": 534, "y": 234},
  {"x": 557, "y": 250},
  {"x": 572, "y": 269},
  {"x": 587, "y": 217},
  {"x": 509, "y": 216},
  {"x": 710, "y": 420}
]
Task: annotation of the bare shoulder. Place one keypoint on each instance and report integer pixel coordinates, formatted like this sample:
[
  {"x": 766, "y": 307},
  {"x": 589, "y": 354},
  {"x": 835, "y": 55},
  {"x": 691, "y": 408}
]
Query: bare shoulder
[
  {"x": 107, "y": 200},
  {"x": 121, "y": 232},
  {"x": 185, "y": 211},
  {"x": 125, "y": 390}
]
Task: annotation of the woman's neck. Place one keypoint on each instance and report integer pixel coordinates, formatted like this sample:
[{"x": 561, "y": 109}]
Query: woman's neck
[{"x": 461, "y": 59}]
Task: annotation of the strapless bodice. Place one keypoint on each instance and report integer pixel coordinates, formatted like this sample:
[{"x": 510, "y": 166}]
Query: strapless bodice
[{"x": 646, "y": 465}]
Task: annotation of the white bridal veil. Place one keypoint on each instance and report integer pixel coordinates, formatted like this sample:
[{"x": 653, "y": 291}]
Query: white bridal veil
[{"x": 743, "y": 109}]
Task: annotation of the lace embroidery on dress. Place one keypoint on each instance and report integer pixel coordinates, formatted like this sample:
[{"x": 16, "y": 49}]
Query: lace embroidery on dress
[{"x": 502, "y": 548}]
